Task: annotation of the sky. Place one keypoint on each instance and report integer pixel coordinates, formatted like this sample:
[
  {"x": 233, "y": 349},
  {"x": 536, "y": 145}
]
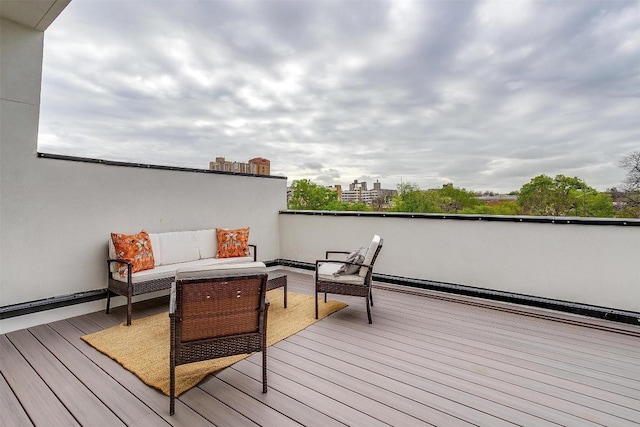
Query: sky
[{"x": 485, "y": 95}]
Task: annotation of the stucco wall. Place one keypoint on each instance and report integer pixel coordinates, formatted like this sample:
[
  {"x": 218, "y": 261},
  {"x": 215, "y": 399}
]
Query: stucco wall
[
  {"x": 590, "y": 264},
  {"x": 56, "y": 216}
]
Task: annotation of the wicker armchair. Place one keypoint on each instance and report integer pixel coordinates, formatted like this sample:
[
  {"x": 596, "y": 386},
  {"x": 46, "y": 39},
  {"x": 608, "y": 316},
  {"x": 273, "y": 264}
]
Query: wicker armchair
[
  {"x": 215, "y": 312},
  {"x": 329, "y": 280}
]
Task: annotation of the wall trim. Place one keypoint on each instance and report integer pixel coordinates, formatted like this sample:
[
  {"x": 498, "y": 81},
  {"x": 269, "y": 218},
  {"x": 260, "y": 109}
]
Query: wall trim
[
  {"x": 606, "y": 313},
  {"x": 149, "y": 166},
  {"x": 45, "y": 304},
  {"x": 615, "y": 315},
  {"x": 556, "y": 220}
]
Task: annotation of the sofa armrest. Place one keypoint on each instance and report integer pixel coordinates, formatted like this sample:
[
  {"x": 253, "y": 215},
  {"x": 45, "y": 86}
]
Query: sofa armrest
[
  {"x": 339, "y": 261},
  {"x": 120, "y": 261},
  {"x": 326, "y": 255},
  {"x": 172, "y": 299}
]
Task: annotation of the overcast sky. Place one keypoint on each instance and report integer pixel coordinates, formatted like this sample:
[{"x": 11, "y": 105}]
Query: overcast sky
[{"x": 485, "y": 95}]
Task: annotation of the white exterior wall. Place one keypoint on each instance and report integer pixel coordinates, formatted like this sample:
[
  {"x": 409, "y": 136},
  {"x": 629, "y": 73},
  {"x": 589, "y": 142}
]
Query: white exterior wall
[
  {"x": 589, "y": 264},
  {"x": 56, "y": 216}
]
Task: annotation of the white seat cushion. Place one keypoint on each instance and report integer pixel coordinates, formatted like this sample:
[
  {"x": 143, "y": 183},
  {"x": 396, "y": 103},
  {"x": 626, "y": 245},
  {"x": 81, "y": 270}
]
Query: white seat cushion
[
  {"x": 164, "y": 271},
  {"x": 327, "y": 270},
  {"x": 221, "y": 270}
]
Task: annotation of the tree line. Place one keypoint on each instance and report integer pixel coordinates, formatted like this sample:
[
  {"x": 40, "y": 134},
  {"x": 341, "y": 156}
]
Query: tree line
[{"x": 541, "y": 196}]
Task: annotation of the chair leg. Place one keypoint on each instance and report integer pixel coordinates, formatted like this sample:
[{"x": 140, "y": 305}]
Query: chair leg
[
  {"x": 129, "y": 309},
  {"x": 264, "y": 369},
  {"x": 316, "y": 304},
  {"x": 172, "y": 390},
  {"x": 264, "y": 353},
  {"x": 172, "y": 366},
  {"x": 108, "y": 300},
  {"x": 371, "y": 296},
  {"x": 368, "y": 311}
]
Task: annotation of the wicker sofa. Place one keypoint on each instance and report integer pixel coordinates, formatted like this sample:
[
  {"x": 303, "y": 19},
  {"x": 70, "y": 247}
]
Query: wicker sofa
[{"x": 171, "y": 250}]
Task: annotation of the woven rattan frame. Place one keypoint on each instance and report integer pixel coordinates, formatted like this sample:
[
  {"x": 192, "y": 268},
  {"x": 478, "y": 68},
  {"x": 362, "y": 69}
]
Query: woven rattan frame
[
  {"x": 129, "y": 289},
  {"x": 341, "y": 288},
  {"x": 218, "y": 317},
  {"x": 278, "y": 280}
]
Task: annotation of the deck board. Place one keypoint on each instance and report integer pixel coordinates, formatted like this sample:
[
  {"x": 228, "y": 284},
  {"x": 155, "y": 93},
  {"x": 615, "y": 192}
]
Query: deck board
[
  {"x": 123, "y": 380},
  {"x": 39, "y": 402},
  {"x": 72, "y": 386},
  {"x": 488, "y": 347},
  {"x": 11, "y": 411},
  {"x": 383, "y": 392},
  {"x": 428, "y": 359},
  {"x": 247, "y": 377}
]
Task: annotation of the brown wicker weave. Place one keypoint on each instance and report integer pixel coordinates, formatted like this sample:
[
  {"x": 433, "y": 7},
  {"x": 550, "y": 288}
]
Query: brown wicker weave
[
  {"x": 218, "y": 317},
  {"x": 278, "y": 280},
  {"x": 130, "y": 289},
  {"x": 341, "y": 288}
]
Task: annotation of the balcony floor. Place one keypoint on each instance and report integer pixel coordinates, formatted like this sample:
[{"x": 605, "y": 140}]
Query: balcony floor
[{"x": 428, "y": 359}]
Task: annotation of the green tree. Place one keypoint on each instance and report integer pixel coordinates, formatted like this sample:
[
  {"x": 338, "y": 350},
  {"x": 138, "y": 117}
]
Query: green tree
[
  {"x": 306, "y": 195},
  {"x": 358, "y": 206},
  {"x": 444, "y": 200},
  {"x": 563, "y": 196},
  {"x": 410, "y": 198},
  {"x": 455, "y": 200},
  {"x": 600, "y": 205},
  {"x": 502, "y": 208}
]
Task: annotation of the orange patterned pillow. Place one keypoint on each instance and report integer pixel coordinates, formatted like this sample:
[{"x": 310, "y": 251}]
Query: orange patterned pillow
[
  {"x": 135, "y": 248},
  {"x": 232, "y": 243}
]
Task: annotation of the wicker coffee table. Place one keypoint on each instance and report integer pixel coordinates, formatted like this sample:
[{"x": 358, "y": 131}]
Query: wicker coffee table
[{"x": 278, "y": 280}]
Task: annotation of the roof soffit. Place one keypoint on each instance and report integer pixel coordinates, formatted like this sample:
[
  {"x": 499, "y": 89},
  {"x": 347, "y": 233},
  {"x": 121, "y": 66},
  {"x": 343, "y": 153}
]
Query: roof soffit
[{"x": 36, "y": 14}]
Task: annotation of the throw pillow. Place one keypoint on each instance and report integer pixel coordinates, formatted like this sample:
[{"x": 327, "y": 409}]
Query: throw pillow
[
  {"x": 135, "y": 248},
  {"x": 356, "y": 257},
  {"x": 232, "y": 243}
]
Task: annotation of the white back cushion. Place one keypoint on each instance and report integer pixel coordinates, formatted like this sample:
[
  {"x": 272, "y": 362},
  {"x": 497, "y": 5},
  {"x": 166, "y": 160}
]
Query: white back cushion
[
  {"x": 207, "y": 243},
  {"x": 178, "y": 246},
  {"x": 373, "y": 246},
  {"x": 155, "y": 246}
]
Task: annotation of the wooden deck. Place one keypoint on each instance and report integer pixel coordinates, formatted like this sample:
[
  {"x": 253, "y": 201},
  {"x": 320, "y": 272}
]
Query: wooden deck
[{"x": 428, "y": 359}]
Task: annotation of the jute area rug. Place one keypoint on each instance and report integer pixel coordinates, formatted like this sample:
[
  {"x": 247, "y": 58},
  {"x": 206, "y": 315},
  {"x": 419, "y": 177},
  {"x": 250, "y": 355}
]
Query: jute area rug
[{"x": 143, "y": 347}]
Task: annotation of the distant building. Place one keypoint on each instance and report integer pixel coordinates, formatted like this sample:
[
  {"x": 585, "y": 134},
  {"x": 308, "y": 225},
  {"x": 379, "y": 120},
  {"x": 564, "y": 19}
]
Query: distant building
[
  {"x": 496, "y": 199},
  {"x": 338, "y": 189},
  {"x": 257, "y": 166},
  {"x": 262, "y": 166},
  {"x": 358, "y": 192}
]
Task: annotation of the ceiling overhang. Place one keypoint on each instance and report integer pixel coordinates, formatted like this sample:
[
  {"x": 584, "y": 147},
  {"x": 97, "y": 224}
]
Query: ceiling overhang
[{"x": 36, "y": 14}]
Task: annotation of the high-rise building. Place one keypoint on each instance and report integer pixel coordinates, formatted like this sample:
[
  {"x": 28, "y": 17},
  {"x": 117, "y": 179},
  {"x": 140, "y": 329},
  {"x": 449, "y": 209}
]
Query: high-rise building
[
  {"x": 358, "y": 192},
  {"x": 262, "y": 166},
  {"x": 338, "y": 189},
  {"x": 257, "y": 166}
]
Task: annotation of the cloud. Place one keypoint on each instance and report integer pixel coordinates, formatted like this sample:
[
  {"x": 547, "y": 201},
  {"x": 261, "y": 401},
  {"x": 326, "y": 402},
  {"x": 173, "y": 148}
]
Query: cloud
[{"x": 484, "y": 94}]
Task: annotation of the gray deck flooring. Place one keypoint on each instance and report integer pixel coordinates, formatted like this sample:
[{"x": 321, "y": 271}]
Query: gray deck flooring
[{"x": 428, "y": 359}]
